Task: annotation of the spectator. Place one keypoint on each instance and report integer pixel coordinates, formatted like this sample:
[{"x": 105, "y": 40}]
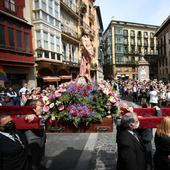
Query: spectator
[
  {"x": 153, "y": 97},
  {"x": 14, "y": 97},
  {"x": 13, "y": 148},
  {"x": 131, "y": 152},
  {"x": 162, "y": 143},
  {"x": 7, "y": 101}
]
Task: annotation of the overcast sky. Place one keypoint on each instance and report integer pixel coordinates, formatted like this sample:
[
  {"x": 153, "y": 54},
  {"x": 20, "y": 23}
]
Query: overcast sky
[{"x": 152, "y": 12}]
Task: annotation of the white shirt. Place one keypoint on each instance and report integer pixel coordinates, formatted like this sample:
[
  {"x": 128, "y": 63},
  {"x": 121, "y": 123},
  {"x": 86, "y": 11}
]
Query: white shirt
[
  {"x": 153, "y": 97},
  {"x": 8, "y": 135},
  {"x": 23, "y": 90}
]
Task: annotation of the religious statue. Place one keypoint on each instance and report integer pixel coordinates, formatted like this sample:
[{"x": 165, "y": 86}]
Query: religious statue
[{"x": 87, "y": 52}]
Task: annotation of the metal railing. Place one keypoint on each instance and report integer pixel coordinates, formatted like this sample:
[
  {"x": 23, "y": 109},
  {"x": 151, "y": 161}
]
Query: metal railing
[
  {"x": 68, "y": 30},
  {"x": 72, "y": 6}
]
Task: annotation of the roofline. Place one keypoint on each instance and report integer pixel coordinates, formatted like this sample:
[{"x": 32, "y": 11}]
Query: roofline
[
  {"x": 163, "y": 25},
  {"x": 136, "y": 24},
  {"x": 99, "y": 17}
]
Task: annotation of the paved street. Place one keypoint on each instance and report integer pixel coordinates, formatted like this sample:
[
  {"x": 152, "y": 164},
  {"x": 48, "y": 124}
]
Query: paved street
[{"x": 81, "y": 151}]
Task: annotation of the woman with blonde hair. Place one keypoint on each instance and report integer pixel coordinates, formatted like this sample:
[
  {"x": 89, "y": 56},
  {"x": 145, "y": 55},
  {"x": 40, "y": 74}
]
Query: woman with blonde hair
[{"x": 162, "y": 144}]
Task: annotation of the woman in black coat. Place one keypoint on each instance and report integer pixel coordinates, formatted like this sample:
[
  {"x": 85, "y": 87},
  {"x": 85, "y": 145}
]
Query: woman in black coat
[{"x": 162, "y": 143}]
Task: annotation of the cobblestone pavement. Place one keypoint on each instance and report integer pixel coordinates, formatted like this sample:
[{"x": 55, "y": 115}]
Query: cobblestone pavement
[{"x": 104, "y": 156}]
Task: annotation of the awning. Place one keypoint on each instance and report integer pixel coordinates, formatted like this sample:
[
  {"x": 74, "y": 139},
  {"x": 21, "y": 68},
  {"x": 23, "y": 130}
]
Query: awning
[
  {"x": 51, "y": 78},
  {"x": 65, "y": 77}
]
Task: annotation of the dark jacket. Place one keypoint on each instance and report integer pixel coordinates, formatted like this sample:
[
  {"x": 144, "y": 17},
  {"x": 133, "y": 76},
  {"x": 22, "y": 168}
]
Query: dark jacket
[
  {"x": 12, "y": 155},
  {"x": 161, "y": 160},
  {"x": 131, "y": 153}
]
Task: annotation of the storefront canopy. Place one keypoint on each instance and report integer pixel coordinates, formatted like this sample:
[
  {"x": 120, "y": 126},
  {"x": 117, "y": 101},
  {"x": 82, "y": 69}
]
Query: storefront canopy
[{"x": 51, "y": 79}]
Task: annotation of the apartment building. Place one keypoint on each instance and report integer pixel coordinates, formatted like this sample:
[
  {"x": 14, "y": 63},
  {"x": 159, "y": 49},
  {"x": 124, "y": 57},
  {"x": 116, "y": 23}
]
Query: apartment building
[
  {"x": 46, "y": 36},
  {"x": 163, "y": 38},
  {"x": 16, "y": 53},
  {"x": 70, "y": 37},
  {"x": 125, "y": 43}
]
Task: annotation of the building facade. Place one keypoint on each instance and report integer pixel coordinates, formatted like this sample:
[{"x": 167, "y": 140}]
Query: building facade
[
  {"x": 125, "y": 43},
  {"x": 58, "y": 25},
  {"x": 163, "y": 38},
  {"x": 46, "y": 36},
  {"x": 16, "y": 52}
]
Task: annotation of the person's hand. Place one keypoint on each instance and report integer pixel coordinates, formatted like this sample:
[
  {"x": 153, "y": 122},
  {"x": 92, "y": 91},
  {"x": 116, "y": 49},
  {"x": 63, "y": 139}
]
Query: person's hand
[
  {"x": 169, "y": 157},
  {"x": 30, "y": 118},
  {"x": 38, "y": 110}
]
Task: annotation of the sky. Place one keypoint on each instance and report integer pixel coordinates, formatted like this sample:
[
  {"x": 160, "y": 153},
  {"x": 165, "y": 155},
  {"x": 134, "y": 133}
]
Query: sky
[{"x": 152, "y": 12}]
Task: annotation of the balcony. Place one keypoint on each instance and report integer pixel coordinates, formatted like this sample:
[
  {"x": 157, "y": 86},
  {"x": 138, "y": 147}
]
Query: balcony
[
  {"x": 70, "y": 7},
  {"x": 71, "y": 63},
  {"x": 69, "y": 31},
  {"x": 44, "y": 55},
  {"x": 86, "y": 27}
]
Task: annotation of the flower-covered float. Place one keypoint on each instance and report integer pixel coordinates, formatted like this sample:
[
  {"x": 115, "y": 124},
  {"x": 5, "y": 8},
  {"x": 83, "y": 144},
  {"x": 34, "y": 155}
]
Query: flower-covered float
[{"x": 80, "y": 105}]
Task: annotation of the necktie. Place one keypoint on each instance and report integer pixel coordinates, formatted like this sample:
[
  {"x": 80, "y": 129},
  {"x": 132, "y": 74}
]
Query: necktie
[
  {"x": 17, "y": 139},
  {"x": 135, "y": 135}
]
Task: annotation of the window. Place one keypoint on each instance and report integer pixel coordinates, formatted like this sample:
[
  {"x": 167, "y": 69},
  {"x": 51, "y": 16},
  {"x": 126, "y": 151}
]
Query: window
[
  {"x": 119, "y": 49},
  {"x": 19, "y": 41},
  {"x": 56, "y": 10},
  {"x": 10, "y": 5},
  {"x": 119, "y": 30},
  {"x": 2, "y": 36},
  {"x": 50, "y": 11},
  {"x": 44, "y": 5},
  {"x": 139, "y": 34},
  {"x": 46, "y": 54},
  {"x": 36, "y": 4},
  {"x": 132, "y": 33},
  {"x": 38, "y": 36},
  {"x": 132, "y": 41},
  {"x": 36, "y": 15},
  {"x": 126, "y": 41},
  {"x": 45, "y": 37},
  {"x": 57, "y": 23},
  {"x": 145, "y": 42},
  {"x": 44, "y": 16},
  {"x": 145, "y": 35},
  {"x": 52, "y": 42},
  {"x": 52, "y": 55},
  {"x": 58, "y": 44},
  {"x": 27, "y": 42},
  {"x": 51, "y": 20},
  {"x": 11, "y": 38},
  {"x": 151, "y": 35},
  {"x": 125, "y": 32}
]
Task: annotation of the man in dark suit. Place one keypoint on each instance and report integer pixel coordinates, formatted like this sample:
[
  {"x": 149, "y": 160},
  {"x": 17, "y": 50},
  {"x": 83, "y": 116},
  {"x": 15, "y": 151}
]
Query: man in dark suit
[
  {"x": 131, "y": 152},
  {"x": 13, "y": 151}
]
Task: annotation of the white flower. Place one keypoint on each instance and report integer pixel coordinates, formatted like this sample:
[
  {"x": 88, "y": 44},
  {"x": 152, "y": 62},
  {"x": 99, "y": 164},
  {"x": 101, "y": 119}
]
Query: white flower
[{"x": 51, "y": 105}]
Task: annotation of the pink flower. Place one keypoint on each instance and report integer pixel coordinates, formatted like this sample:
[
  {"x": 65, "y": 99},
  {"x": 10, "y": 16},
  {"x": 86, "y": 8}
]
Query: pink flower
[
  {"x": 69, "y": 108},
  {"x": 46, "y": 108},
  {"x": 61, "y": 107},
  {"x": 88, "y": 88},
  {"x": 57, "y": 94}
]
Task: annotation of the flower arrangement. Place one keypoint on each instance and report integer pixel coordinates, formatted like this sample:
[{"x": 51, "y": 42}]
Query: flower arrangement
[{"x": 80, "y": 103}]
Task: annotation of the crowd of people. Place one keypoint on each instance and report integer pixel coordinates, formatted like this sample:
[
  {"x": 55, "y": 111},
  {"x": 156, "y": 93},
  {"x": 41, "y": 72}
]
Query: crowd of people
[
  {"x": 26, "y": 151},
  {"x": 155, "y": 93}
]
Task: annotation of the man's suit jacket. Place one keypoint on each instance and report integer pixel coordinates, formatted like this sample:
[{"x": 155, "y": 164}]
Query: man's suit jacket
[
  {"x": 12, "y": 155},
  {"x": 131, "y": 152}
]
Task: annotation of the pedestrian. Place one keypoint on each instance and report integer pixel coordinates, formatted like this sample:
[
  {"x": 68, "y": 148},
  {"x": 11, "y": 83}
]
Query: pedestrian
[
  {"x": 162, "y": 144},
  {"x": 13, "y": 146},
  {"x": 131, "y": 151}
]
